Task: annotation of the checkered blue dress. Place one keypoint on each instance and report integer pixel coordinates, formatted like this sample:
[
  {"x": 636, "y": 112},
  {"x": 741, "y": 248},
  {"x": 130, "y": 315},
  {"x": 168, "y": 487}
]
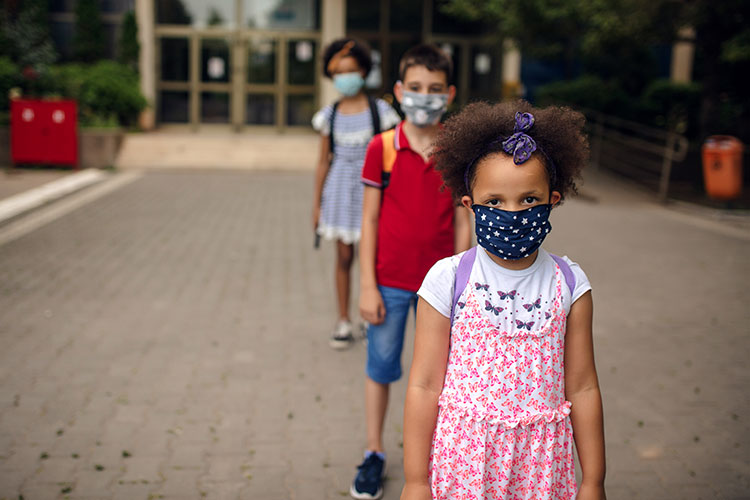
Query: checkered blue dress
[{"x": 341, "y": 203}]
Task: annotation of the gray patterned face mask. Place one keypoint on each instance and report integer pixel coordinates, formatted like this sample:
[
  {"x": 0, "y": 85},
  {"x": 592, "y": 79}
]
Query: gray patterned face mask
[{"x": 424, "y": 110}]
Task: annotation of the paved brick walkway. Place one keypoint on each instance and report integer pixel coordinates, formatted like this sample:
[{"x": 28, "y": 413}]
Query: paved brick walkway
[{"x": 169, "y": 340}]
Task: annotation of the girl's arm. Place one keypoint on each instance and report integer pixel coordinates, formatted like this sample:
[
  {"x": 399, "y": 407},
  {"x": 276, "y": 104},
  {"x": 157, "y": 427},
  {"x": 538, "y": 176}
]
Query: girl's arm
[
  {"x": 321, "y": 171},
  {"x": 462, "y": 229},
  {"x": 582, "y": 390},
  {"x": 431, "y": 345},
  {"x": 371, "y": 305}
]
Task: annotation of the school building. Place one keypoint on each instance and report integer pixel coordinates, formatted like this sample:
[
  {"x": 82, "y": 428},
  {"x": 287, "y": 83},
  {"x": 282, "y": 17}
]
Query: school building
[{"x": 255, "y": 64}]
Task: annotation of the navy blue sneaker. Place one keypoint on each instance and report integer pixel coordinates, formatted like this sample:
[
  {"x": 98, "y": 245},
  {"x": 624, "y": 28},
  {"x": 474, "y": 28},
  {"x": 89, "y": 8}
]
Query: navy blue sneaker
[{"x": 368, "y": 483}]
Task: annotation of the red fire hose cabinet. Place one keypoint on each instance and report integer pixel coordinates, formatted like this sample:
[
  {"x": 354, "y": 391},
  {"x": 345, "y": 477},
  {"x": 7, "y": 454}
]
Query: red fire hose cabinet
[{"x": 44, "y": 131}]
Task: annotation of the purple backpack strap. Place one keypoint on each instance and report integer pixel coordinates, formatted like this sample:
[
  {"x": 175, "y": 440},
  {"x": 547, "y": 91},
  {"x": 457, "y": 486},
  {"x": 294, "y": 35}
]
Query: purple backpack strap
[
  {"x": 570, "y": 278},
  {"x": 462, "y": 275}
]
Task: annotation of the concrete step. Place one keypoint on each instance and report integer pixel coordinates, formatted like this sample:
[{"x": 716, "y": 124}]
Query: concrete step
[{"x": 220, "y": 149}]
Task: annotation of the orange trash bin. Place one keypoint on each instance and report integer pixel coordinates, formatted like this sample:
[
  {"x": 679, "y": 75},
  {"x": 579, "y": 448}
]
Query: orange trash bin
[{"x": 722, "y": 167}]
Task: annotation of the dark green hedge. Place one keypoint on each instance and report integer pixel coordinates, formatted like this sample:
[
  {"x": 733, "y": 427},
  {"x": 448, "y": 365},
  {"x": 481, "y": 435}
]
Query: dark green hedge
[
  {"x": 108, "y": 93},
  {"x": 662, "y": 104}
]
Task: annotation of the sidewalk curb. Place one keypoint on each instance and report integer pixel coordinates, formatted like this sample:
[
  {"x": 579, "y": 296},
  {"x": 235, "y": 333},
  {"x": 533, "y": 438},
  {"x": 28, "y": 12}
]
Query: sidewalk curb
[{"x": 34, "y": 198}]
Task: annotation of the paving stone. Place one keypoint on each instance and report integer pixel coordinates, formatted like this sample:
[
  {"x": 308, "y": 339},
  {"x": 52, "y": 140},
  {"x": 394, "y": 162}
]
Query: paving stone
[{"x": 185, "y": 318}]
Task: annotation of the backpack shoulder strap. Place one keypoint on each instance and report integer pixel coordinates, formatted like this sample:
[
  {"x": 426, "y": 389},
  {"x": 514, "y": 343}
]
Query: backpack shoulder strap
[
  {"x": 570, "y": 278},
  {"x": 462, "y": 275},
  {"x": 375, "y": 115},
  {"x": 330, "y": 125},
  {"x": 389, "y": 155}
]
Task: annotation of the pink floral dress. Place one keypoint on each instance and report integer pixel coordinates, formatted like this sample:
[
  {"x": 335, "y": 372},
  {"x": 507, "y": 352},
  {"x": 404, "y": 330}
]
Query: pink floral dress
[{"x": 503, "y": 430}]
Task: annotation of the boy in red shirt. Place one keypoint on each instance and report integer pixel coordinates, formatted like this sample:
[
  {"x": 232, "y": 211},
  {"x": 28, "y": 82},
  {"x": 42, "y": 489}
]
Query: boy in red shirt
[{"x": 408, "y": 223}]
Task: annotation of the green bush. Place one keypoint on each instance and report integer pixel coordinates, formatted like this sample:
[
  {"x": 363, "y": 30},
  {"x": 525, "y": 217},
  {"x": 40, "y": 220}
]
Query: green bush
[
  {"x": 10, "y": 76},
  {"x": 110, "y": 90},
  {"x": 663, "y": 104},
  {"x": 108, "y": 93},
  {"x": 587, "y": 91},
  {"x": 672, "y": 105}
]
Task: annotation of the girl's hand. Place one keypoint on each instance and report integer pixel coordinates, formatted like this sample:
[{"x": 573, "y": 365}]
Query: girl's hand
[
  {"x": 591, "y": 492},
  {"x": 416, "y": 492},
  {"x": 315, "y": 215},
  {"x": 371, "y": 306}
]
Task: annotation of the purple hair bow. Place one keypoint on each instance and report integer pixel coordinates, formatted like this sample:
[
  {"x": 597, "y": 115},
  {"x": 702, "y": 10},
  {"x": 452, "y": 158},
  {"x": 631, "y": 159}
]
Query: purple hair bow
[{"x": 521, "y": 145}]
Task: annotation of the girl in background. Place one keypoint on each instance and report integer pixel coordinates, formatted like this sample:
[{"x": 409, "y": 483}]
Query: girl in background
[{"x": 346, "y": 128}]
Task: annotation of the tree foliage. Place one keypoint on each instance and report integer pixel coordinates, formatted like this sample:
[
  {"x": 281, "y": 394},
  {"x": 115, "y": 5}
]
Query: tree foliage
[
  {"x": 614, "y": 40},
  {"x": 26, "y": 38},
  {"x": 89, "y": 41},
  {"x": 129, "y": 47},
  {"x": 598, "y": 32}
]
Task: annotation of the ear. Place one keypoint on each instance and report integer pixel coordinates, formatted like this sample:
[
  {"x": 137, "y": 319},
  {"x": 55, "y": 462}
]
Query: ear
[
  {"x": 467, "y": 202},
  {"x": 451, "y": 94},
  {"x": 398, "y": 90},
  {"x": 554, "y": 198}
]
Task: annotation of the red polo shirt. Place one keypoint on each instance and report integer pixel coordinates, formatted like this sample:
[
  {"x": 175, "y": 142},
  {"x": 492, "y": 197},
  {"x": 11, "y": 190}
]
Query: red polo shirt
[{"x": 415, "y": 226}]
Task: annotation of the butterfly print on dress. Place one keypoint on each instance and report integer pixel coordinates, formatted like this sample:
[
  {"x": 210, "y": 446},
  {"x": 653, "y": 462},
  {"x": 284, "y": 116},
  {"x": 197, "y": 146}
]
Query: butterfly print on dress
[
  {"x": 520, "y": 324},
  {"x": 537, "y": 304},
  {"x": 489, "y": 307}
]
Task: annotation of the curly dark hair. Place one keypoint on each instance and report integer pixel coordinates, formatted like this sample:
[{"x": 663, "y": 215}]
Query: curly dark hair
[
  {"x": 360, "y": 51},
  {"x": 465, "y": 138}
]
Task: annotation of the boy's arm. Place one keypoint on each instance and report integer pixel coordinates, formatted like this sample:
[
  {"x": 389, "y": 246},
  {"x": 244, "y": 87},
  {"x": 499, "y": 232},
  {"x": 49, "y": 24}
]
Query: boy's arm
[
  {"x": 431, "y": 346},
  {"x": 461, "y": 229},
  {"x": 371, "y": 306},
  {"x": 582, "y": 390},
  {"x": 321, "y": 171}
]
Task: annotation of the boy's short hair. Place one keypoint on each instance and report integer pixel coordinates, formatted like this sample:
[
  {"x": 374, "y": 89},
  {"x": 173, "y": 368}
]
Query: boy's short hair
[
  {"x": 360, "y": 51},
  {"x": 467, "y": 137},
  {"x": 428, "y": 55}
]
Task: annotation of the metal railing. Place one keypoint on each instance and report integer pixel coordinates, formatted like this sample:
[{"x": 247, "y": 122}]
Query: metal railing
[{"x": 643, "y": 153}]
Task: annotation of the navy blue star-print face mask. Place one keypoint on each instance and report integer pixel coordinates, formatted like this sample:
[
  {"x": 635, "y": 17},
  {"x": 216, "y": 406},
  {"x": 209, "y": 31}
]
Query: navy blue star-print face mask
[{"x": 511, "y": 235}]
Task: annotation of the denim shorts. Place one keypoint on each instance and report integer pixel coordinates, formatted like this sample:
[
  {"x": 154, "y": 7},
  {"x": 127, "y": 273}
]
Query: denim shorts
[{"x": 385, "y": 341}]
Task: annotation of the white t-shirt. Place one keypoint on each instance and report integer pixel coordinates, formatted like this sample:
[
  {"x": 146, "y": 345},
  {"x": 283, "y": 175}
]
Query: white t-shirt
[{"x": 534, "y": 288}]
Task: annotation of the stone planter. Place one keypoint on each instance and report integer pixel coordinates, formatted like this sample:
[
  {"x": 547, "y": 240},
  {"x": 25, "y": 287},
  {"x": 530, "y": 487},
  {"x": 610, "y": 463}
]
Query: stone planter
[
  {"x": 4, "y": 147},
  {"x": 97, "y": 147}
]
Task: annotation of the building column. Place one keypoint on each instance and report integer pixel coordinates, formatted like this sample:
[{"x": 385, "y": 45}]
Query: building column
[
  {"x": 511, "y": 74},
  {"x": 683, "y": 51},
  {"x": 333, "y": 26},
  {"x": 144, "y": 14}
]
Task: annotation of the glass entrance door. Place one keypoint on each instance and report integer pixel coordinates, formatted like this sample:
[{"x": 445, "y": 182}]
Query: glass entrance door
[{"x": 237, "y": 62}]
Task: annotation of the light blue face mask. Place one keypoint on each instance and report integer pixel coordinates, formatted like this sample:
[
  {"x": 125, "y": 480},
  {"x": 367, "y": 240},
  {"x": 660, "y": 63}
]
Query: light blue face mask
[{"x": 348, "y": 84}]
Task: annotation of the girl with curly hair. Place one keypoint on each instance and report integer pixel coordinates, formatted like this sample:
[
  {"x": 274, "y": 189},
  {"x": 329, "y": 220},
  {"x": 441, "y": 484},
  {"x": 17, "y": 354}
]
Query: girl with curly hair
[{"x": 503, "y": 377}]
